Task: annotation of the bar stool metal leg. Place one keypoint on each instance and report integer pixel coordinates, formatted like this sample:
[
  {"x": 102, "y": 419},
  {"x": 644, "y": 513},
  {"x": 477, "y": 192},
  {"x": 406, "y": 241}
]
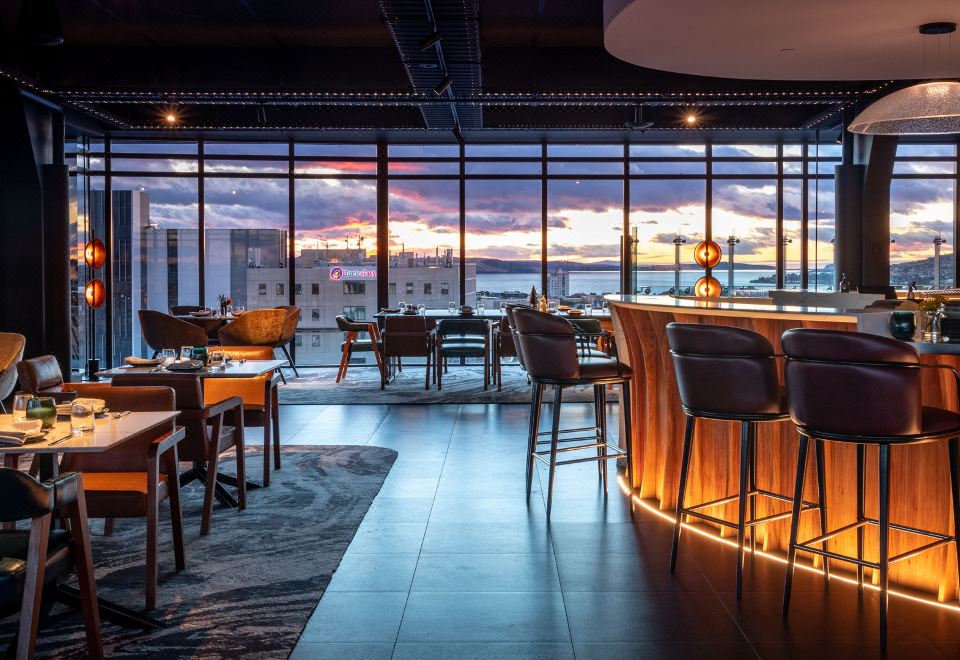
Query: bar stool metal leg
[
  {"x": 953, "y": 446},
  {"x": 818, "y": 447},
  {"x": 628, "y": 433},
  {"x": 536, "y": 403},
  {"x": 752, "y": 487},
  {"x": 795, "y": 521},
  {"x": 597, "y": 424},
  {"x": 603, "y": 437},
  {"x": 554, "y": 440},
  {"x": 746, "y": 431},
  {"x": 884, "y": 492},
  {"x": 684, "y": 468},
  {"x": 861, "y": 487}
]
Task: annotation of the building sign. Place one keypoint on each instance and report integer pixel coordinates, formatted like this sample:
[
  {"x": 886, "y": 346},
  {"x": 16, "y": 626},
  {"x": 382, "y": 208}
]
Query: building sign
[{"x": 341, "y": 273}]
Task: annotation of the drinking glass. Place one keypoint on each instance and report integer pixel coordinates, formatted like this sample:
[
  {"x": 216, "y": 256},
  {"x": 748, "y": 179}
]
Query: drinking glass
[
  {"x": 552, "y": 307},
  {"x": 43, "y": 408},
  {"x": 503, "y": 307},
  {"x": 480, "y": 309},
  {"x": 185, "y": 352},
  {"x": 402, "y": 306},
  {"x": 588, "y": 309},
  {"x": 20, "y": 402},
  {"x": 421, "y": 310},
  {"x": 216, "y": 360},
  {"x": 239, "y": 309},
  {"x": 81, "y": 416},
  {"x": 452, "y": 308},
  {"x": 167, "y": 357},
  {"x": 229, "y": 310}
]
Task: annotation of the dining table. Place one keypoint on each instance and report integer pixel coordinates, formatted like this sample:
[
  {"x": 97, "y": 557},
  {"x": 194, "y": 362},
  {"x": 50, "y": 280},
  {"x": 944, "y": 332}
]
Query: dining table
[
  {"x": 232, "y": 369},
  {"x": 211, "y": 323},
  {"x": 110, "y": 430}
]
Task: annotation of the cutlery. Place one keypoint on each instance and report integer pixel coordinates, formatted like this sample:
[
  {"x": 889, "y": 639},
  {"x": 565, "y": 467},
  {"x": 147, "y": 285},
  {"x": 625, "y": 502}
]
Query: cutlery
[
  {"x": 121, "y": 414},
  {"x": 66, "y": 437}
]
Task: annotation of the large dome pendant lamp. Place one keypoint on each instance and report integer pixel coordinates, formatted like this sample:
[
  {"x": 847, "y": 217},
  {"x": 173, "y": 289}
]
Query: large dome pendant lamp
[{"x": 931, "y": 108}]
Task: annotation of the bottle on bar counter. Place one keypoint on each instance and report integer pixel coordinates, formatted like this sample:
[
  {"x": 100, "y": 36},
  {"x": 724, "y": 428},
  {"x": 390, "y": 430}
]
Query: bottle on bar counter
[{"x": 844, "y": 284}]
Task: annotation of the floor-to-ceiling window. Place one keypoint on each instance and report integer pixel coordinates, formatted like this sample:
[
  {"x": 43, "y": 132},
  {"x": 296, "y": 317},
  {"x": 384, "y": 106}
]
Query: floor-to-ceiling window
[
  {"x": 923, "y": 216},
  {"x": 548, "y": 216}
]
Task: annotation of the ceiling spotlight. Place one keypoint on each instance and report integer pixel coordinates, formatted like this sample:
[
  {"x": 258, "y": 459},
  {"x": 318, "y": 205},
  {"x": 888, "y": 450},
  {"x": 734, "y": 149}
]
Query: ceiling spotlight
[
  {"x": 691, "y": 119},
  {"x": 170, "y": 118},
  {"x": 430, "y": 40},
  {"x": 444, "y": 85}
]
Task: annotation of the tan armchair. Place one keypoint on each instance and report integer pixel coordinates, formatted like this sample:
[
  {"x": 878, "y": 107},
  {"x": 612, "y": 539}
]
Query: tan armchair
[{"x": 11, "y": 352}]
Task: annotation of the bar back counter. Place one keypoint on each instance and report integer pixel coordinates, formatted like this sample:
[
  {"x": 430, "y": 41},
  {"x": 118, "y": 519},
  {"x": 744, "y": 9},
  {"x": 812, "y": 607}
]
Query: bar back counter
[{"x": 920, "y": 482}]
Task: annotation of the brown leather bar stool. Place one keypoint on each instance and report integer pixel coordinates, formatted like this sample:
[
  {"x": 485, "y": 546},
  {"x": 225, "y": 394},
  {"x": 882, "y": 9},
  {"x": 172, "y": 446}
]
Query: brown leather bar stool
[
  {"x": 865, "y": 390},
  {"x": 730, "y": 374},
  {"x": 549, "y": 346}
]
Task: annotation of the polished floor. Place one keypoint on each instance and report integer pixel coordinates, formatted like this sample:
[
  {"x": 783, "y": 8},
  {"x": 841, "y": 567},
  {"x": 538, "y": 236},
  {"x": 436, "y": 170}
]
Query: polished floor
[{"x": 451, "y": 563}]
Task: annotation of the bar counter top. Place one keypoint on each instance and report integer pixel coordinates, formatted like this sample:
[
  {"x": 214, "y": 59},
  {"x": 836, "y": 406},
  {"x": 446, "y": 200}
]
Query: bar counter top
[{"x": 920, "y": 481}]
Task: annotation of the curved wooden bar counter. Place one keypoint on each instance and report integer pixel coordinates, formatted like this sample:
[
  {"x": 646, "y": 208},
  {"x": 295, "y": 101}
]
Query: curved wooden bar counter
[{"x": 920, "y": 484}]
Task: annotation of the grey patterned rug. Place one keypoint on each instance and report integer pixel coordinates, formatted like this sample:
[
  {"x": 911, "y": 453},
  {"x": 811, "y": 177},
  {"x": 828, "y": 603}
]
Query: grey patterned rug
[
  {"x": 250, "y": 586},
  {"x": 461, "y": 384}
]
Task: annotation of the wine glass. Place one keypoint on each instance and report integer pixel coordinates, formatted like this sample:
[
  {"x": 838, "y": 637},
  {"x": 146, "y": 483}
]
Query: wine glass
[
  {"x": 20, "y": 403},
  {"x": 503, "y": 307},
  {"x": 452, "y": 308},
  {"x": 185, "y": 352},
  {"x": 480, "y": 308},
  {"x": 229, "y": 310},
  {"x": 552, "y": 307},
  {"x": 402, "y": 307},
  {"x": 588, "y": 309},
  {"x": 422, "y": 309}
]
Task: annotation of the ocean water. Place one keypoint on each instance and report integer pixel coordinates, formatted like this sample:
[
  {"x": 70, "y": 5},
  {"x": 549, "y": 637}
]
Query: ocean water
[{"x": 601, "y": 282}]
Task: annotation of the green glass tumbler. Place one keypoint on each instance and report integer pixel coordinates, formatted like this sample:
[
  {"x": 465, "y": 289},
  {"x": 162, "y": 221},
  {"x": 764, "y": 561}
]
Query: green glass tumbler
[
  {"x": 903, "y": 325},
  {"x": 43, "y": 408}
]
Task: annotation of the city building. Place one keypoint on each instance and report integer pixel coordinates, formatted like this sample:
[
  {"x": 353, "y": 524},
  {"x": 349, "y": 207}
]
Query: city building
[{"x": 558, "y": 283}]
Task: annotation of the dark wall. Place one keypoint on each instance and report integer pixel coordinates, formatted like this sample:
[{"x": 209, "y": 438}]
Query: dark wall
[{"x": 34, "y": 244}]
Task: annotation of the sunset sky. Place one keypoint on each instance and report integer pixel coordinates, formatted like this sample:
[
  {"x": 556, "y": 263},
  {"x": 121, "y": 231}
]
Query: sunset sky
[{"x": 503, "y": 216}]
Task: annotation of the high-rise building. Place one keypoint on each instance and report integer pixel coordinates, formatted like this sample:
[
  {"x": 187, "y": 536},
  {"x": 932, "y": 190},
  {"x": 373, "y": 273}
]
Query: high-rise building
[{"x": 558, "y": 283}]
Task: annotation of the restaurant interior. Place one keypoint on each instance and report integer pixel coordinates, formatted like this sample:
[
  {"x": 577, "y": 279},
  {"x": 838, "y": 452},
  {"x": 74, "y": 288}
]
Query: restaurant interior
[{"x": 459, "y": 329}]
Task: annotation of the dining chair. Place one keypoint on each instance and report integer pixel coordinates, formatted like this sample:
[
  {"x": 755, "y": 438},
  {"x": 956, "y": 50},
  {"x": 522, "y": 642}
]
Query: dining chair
[
  {"x": 288, "y": 333},
  {"x": 41, "y": 376},
  {"x": 351, "y": 344},
  {"x": 132, "y": 479},
  {"x": 405, "y": 336},
  {"x": 207, "y": 434},
  {"x": 37, "y": 559},
  {"x": 162, "y": 331},
  {"x": 503, "y": 347},
  {"x": 258, "y": 327},
  {"x": 260, "y": 400},
  {"x": 460, "y": 338},
  {"x": 11, "y": 352}
]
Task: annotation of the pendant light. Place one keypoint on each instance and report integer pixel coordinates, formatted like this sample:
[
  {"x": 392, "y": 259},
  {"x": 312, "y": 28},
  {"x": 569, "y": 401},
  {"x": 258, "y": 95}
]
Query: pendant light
[{"x": 931, "y": 108}]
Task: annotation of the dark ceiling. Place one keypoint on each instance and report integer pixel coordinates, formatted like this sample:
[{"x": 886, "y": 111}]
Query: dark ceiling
[{"x": 267, "y": 65}]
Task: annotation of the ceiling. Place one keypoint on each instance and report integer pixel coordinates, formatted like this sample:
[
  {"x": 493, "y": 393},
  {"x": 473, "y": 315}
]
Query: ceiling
[
  {"x": 847, "y": 40},
  {"x": 357, "y": 67}
]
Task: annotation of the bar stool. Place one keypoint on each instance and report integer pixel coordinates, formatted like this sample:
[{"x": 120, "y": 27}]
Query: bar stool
[
  {"x": 730, "y": 374},
  {"x": 549, "y": 346},
  {"x": 864, "y": 389}
]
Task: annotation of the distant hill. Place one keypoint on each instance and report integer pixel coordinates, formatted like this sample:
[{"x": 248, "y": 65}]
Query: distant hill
[{"x": 487, "y": 266}]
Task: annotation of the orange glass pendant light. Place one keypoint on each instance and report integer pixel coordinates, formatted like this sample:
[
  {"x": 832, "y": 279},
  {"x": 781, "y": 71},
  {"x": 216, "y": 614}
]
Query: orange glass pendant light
[
  {"x": 707, "y": 254},
  {"x": 95, "y": 253},
  {"x": 95, "y": 293},
  {"x": 707, "y": 287}
]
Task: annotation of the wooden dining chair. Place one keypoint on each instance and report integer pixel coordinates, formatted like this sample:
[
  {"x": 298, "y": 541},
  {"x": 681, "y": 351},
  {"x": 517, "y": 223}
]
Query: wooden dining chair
[
  {"x": 260, "y": 400},
  {"x": 35, "y": 560},
  {"x": 132, "y": 479},
  {"x": 353, "y": 344},
  {"x": 207, "y": 433}
]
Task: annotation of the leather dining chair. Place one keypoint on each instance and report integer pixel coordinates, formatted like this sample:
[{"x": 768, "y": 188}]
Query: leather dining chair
[
  {"x": 258, "y": 327},
  {"x": 461, "y": 338},
  {"x": 162, "y": 331},
  {"x": 132, "y": 479},
  {"x": 207, "y": 434},
  {"x": 11, "y": 352},
  {"x": 288, "y": 333},
  {"x": 35, "y": 560},
  {"x": 260, "y": 400},
  {"x": 41, "y": 376},
  {"x": 405, "y": 336},
  {"x": 503, "y": 347}
]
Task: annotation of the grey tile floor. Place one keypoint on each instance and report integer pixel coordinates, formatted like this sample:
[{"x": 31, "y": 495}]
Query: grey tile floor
[{"x": 450, "y": 562}]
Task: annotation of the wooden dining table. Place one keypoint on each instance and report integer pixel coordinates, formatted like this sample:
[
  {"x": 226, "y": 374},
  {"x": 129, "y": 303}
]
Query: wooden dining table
[
  {"x": 233, "y": 369},
  {"x": 109, "y": 432}
]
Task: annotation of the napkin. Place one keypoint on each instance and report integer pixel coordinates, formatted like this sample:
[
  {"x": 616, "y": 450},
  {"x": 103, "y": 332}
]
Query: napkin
[{"x": 135, "y": 361}]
